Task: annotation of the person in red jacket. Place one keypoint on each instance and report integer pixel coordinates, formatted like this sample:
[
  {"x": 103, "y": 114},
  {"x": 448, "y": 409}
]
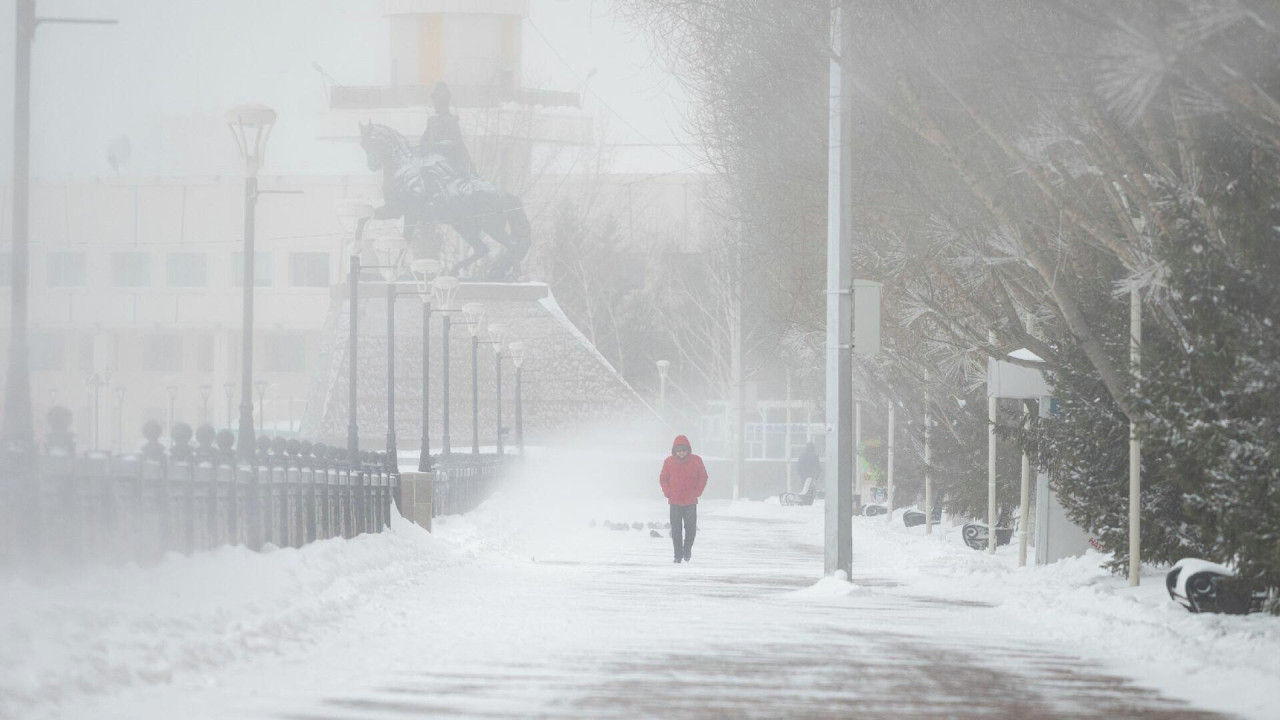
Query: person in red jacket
[{"x": 683, "y": 479}]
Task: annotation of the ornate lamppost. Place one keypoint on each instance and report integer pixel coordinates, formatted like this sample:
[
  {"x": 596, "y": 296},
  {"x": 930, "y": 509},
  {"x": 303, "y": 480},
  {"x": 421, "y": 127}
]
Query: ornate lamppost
[
  {"x": 423, "y": 272},
  {"x": 261, "y": 386},
  {"x": 120, "y": 390},
  {"x": 385, "y": 250},
  {"x": 97, "y": 382},
  {"x": 205, "y": 390},
  {"x": 497, "y": 334},
  {"x": 445, "y": 289},
  {"x": 172, "y": 389},
  {"x": 516, "y": 351},
  {"x": 250, "y": 127},
  {"x": 473, "y": 313}
]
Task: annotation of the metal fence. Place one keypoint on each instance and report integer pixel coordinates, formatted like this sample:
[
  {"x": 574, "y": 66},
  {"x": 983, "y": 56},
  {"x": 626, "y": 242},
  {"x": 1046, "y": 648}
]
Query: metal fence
[
  {"x": 188, "y": 496},
  {"x": 462, "y": 482}
]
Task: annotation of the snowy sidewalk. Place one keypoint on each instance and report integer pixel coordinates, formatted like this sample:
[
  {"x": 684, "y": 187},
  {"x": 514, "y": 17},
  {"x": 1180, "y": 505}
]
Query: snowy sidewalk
[{"x": 516, "y": 613}]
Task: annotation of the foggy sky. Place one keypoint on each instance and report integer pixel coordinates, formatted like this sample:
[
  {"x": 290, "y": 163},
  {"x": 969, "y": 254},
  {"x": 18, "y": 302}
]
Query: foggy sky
[{"x": 172, "y": 68}]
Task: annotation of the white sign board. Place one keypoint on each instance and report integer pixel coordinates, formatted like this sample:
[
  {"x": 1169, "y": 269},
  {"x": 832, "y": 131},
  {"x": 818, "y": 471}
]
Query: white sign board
[{"x": 866, "y": 317}]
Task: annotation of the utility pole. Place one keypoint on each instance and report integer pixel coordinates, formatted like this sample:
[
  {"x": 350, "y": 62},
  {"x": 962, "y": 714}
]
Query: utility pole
[
  {"x": 839, "y": 476},
  {"x": 1135, "y": 445},
  {"x": 739, "y": 387},
  {"x": 18, "y": 433}
]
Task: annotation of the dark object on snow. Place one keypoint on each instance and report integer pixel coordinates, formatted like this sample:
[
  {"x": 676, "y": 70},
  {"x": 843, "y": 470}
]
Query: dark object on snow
[
  {"x": 913, "y": 517},
  {"x": 655, "y": 533},
  {"x": 666, "y": 526},
  {"x": 975, "y": 535},
  {"x": 1202, "y": 586},
  {"x": 874, "y": 510},
  {"x": 621, "y": 526},
  {"x": 637, "y": 525},
  {"x": 804, "y": 497}
]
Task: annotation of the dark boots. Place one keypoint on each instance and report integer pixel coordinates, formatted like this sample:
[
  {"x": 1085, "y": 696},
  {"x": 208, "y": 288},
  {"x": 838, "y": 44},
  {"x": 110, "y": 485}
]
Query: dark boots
[{"x": 684, "y": 527}]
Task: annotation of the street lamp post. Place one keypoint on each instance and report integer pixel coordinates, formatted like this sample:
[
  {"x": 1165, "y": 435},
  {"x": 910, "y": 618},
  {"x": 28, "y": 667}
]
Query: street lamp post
[
  {"x": 497, "y": 334},
  {"x": 474, "y": 313},
  {"x": 445, "y": 288},
  {"x": 120, "y": 390},
  {"x": 173, "y": 398},
  {"x": 516, "y": 351},
  {"x": 261, "y": 387},
  {"x": 97, "y": 382},
  {"x": 17, "y": 430},
  {"x": 423, "y": 272},
  {"x": 205, "y": 390},
  {"x": 388, "y": 270},
  {"x": 663, "y": 367},
  {"x": 250, "y": 127},
  {"x": 229, "y": 392}
]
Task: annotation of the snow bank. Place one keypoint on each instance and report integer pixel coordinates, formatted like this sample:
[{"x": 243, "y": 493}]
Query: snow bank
[{"x": 107, "y": 628}]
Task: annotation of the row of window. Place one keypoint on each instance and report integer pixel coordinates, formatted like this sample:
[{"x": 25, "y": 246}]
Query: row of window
[
  {"x": 132, "y": 269},
  {"x": 165, "y": 352}
]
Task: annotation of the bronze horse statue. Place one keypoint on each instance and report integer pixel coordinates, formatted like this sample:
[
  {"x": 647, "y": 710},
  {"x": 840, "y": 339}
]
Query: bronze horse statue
[{"x": 422, "y": 187}]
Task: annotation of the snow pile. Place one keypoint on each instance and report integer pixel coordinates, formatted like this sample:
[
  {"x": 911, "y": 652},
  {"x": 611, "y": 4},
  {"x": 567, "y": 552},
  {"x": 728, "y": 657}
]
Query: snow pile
[
  {"x": 828, "y": 587},
  {"x": 106, "y": 628}
]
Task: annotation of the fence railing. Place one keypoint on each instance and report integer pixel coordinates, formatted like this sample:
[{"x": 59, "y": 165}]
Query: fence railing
[
  {"x": 195, "y": 493},
  {"x": 184, "y": 496}
]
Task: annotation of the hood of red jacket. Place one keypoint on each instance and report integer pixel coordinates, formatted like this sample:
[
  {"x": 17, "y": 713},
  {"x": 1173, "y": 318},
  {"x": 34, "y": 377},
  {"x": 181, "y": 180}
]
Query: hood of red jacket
[{"x": 681, "y": 440}]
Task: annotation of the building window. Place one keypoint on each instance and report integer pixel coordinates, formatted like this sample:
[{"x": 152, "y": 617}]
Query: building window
[
  {"x": 263, "y": 269},
  {"x": 204, "y": 353},
  {"x": 6, "y": 269},
  {"x": 162, "y": 353},
  {"x": 187, "y": 269},
  {"x": 309, "y": 269},
  {"x": 66, "y": 269},
  {"x": 131, "y": 269},
  {"x": 285, "y": 352},
  {"x": 46, "y": 352}
]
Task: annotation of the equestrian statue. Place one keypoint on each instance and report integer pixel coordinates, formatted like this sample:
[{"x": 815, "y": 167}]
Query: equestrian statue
[{"x": 436, "y": 183}]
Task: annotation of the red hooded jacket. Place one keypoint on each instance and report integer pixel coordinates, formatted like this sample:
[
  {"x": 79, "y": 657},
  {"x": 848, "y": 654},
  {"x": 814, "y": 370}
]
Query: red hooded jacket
[{"x": 683, "y": 480}]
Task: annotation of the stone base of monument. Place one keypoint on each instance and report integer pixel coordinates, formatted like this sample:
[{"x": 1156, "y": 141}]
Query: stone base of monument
[{"x": 568, "y": 387}]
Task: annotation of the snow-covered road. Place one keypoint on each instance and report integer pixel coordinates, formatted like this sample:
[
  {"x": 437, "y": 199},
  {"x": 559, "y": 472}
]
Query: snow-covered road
[{"x": 529, "y": 611}]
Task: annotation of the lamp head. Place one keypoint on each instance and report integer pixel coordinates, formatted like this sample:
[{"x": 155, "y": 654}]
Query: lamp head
[
  {"x": 445, "y": 289},
  {"x": 473, "y": 313},
  {"x": 498, "y": 334},
  {"x": 423, "y": 271},
  {"x": 250, "y": 127}
]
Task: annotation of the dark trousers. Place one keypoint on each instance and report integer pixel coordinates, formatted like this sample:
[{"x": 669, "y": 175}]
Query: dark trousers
[{"x": 684, "y": 527}]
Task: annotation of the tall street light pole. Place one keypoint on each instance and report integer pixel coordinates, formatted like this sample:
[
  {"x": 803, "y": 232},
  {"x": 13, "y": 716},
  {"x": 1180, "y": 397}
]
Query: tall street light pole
[
  {"x": 250, "y": 127},
  {"x": 445, "y": 289},
  {"x": 474, "y": 314},
  {"x": 838, "y": 515},
  {"x": 17, "y": 431},
  {"x": 497, "y": 335},
  {"x": 516, "y": 350},
  {"x": 423, "y": 273}
]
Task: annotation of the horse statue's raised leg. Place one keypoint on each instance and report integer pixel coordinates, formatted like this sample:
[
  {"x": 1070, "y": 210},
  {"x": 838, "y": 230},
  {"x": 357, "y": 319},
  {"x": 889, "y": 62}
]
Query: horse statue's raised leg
[
  {"x": 471, "y": 233},
  {"x": 515, "y": 243}
]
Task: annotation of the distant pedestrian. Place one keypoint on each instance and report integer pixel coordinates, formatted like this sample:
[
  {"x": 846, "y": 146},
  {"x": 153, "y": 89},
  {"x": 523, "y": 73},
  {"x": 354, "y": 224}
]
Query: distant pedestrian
[{"x": 683, "y": 479}]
